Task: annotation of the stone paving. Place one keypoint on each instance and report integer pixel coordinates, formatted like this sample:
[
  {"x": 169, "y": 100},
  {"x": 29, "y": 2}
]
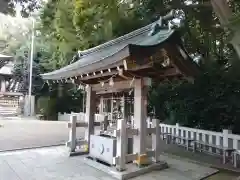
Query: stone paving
[
  {"x": 28, "y": 133},
  {"x": 203, "y": 158},
  {"x": 17, "y": 134},
  {"x": 54, "y": 164}
]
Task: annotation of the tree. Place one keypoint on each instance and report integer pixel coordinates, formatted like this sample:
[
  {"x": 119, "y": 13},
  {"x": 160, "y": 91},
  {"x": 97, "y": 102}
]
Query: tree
[
  {"x": 21, "y": 71},
  {"x": 224, "y": 13},
  {"x": 209, "y": 103},
  {"x": 27, "y": 6},
  {"x": 77, "y": 25},
  {"x": 14, "y": 31}
]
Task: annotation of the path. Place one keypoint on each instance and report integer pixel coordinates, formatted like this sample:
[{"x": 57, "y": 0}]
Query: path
[
  {"x": 17, "y": 134},
  {"x": 227, "y": 170},
  {"x": 54, "y": 164},
  {"x": 8, "y": 110}
]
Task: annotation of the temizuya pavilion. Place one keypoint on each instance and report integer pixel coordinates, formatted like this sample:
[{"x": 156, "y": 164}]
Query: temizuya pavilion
[{"x": 132, "y": 61}]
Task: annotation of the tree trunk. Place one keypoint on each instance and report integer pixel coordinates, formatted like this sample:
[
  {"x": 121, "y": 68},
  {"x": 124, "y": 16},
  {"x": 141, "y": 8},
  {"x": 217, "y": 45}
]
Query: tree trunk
[
  {"x": 222, "y": 10},
  {"x": 224, "y": 13}
]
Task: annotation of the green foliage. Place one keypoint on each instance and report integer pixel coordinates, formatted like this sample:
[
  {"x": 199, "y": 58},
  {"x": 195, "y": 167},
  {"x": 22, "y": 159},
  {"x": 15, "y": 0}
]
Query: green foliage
[
  {"x": 25, "y": 7},
  {"x": 21, "y": 74},
  {"x": 46, "y": 106},
  {"x": 211, "y": 102},
  {"x": 22, "y": 63},
  {"x": 13, "y": 32},
  {"x": 76, "y": 25},
  {"x": 59, "y": 31}
]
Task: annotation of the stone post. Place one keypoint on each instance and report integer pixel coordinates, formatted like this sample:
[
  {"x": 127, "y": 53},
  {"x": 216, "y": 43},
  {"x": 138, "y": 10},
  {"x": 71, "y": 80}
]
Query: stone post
[
  {"x": 156, "y": 139},
  {"x": 121, "y": 144},
  {"x": 226, "y": 132},
  {"x": 72, "y": 133},
  {"x": 29, "y": 105},
  {"x": 225, "y": 137},
  {"x": 177, "y": 129}
]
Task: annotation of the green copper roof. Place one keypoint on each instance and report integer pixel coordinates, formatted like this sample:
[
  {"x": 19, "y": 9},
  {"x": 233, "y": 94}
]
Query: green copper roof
[{"x": 110, "y": 53}]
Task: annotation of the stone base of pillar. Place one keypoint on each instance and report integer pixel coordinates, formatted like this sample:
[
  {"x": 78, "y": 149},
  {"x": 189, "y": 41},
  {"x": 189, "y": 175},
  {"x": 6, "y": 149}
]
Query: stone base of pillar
[
  {"x": 131, "y": 169},
  {"x": 143, "y": 160}
]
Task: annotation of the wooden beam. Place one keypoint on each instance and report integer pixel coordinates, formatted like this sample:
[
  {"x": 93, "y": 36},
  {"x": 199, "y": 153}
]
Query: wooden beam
[
  {"x": 145, "y": 66},
  {"x": 171, "y": 71},
  {"x": 121, "y": 74},
  {"x": 118, "y": 85},
  {"x": 163, "y": 71},
  {"x": 99, "y": 75}
]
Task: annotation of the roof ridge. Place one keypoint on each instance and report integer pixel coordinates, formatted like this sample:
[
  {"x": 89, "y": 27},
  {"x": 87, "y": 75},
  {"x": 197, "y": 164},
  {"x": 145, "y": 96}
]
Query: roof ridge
[{"x": 116, "y": 40}]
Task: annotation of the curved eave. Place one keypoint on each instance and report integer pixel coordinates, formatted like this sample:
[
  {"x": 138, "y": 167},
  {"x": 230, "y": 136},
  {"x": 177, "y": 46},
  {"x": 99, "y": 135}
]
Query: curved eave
[
  {"x": 113, "y": 59},
  {"x": 110, "y": 56}
]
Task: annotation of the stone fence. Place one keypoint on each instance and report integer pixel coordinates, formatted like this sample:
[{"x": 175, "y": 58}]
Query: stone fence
[
  {"x": 224, "y": 138},
  {"x": 80, "y": 116}
]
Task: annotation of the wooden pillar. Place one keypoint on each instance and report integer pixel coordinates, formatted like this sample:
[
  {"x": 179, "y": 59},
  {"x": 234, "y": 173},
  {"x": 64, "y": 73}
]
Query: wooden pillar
[
  {"x": 60, "y": 89},
  {"x": 123, "y": 108},
  {"x": 111, "y": 104},
  {"x": 83, "y": 101},
  {"x": 90, "y": 113},
  {"x": 140, "y": 120},
  {"x": 101, "y": 105}
]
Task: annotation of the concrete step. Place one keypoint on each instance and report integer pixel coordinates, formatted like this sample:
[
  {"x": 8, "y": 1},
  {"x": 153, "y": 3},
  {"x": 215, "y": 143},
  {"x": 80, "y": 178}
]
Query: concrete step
[{"x": 8, "y": 111}]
